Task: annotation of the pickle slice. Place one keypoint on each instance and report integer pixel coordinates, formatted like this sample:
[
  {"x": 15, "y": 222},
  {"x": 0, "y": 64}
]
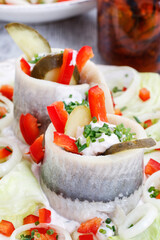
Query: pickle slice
[
  {"x": 123, "y": 146},
  {"x": 48, "y": 68},
  {"x": 28, "y": 39}
]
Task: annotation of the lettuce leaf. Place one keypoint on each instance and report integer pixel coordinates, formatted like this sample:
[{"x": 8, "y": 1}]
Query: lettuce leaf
[
  {"x": 20, "y": 194},
  {"x": 151, "y": 233}
]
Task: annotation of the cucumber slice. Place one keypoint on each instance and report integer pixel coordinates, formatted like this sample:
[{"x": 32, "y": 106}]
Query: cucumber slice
[
  {"x": 79, "y": 117},
  {"x": 28, "y": 39}
]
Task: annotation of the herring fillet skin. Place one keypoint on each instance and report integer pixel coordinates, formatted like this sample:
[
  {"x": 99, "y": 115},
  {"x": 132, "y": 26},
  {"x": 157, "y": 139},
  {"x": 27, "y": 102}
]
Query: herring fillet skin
[
  {"x": 93, "y": 178},
  {"x": 32, "y": 95}
]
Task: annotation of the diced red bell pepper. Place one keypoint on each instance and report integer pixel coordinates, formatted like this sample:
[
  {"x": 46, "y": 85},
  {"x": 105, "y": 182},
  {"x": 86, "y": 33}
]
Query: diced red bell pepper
[
  {"x": 7, "y": 91},
  {"x": 124, "y": 89},
  {"x": 29, "y": 128},
  {"x": 58, "y": 115},
  {"x": 30, "y": 219},
  {"x": 90, "y": 226},
  {"x": 84, "y": 54},
  {"x": 96, "y": 100},
  {"x": 3, "y": 112},
  {"x": 6, "y": 228},
  {"x": 25, "y": 66},
  {"x": 44, "y": 215},
  {"x": 144, "y": 94},
  {"x": 36, "y": 149},
  {"x": 158, "y": 197},
  {"x": 67, "y": 67},
  {"x": 86, "y": 237},
  {"x": 45, "y": 236},
  {"x": 65, "y": 142},
  {"x": 148, "y": 123},
  {"x": 5, "y": 152},
  {"x": 118, "y": 112},
  {"x": 152, "y": 167}
]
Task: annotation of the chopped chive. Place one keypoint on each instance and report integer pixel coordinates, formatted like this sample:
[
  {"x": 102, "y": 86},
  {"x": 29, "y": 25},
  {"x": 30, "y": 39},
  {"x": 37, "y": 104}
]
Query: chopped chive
[
  {"x": 151, "y": 189},
  {"x": 94, "y": 119},
  {"x": 116, "y": 89},
  {"x": 57, "y": 236},
  {"x": 123, "y": 108},
  {"x": 37, "y": 223},
  {"x": 50, "y": 231},
  {"x": 88, "y": 141},
  {"x": 131, "y": 226},
  {"x": 103, "y": 231},
  {"x": 113, "y": 228},
  {"x": 101, "y": 140},
  {"x": 108, "y": 226},
  {"x": 137, "y": 120},
  {"x": 8, "y": 149},
  {"x": 97, "y": 135},
  {"x": 108, "y": 221},
  {"x": 86, "y": 93},
  {"x": 70, "y": 96},
  {"x": 38, "y": 235},
  {"x": 82, "y": 147}
]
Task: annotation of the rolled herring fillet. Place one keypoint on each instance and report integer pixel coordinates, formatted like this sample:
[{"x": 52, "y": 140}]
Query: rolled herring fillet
[
  {"x": 33, "y": 95},
  {"x": 87, "y": 183},
  {"x": 13, "y": 159},
  {"x": 153, "y": 180},
  {"x": 62, "y": 233}
]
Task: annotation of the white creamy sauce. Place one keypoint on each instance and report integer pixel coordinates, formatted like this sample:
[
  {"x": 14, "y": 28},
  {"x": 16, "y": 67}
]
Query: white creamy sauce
[
  {"x": 105, "y": 231},
  {"x": 97, "y": 147},
  {"x": 63, "y": 95}
]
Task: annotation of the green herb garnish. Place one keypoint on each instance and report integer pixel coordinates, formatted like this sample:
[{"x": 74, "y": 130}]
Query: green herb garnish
[
  {"x": 108, "y": 221},
  {"x": 36, "y": 59},
  {"x": 71, "y": 106},
  {"x": 131, "y": 226},
  {"x": 137, "y": 119},
  {"x": 116, "y": 89},
  {"x": 37, "y": 223},
  {"x": 154, "y": 192},
  {"x": 103, "y": 231},
  {"x": 123, "y": 108},
  {"x": 50, "y": 231}
]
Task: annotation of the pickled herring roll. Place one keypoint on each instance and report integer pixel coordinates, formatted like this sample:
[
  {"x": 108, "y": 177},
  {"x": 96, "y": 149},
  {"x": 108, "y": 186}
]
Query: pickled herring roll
[
  {"x": 45, "y": 75},
  {"x": 93, "y": 163}
]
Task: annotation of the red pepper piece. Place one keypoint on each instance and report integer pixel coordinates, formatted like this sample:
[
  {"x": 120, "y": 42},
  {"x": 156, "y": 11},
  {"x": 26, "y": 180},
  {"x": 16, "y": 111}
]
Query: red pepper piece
[
  {"x": 6, "y": 228},
  {"x": 29, "y": 128},
  {"x": 86, "y": 237},
  {"x": 144, "y": 94},
  {"x": 65, "y": 142},
  {"x": 67, "y": 67},
  {"x": 58, "y": 115},
  {"x": 30, "y": 219},
  {"x": 7, "y": 91},
  {"x": 3, "y": 112},
  {"x": 25, "y": 66},
  {"x": 152, "y": 167},
  {"x": 44, "y": 215},
  {"x": 84, "y": 54},
  {"x": 118, "y": 112},
  {"x": 147, "y": 123},
  {"x": 96, "y": 100},
  {"x": 90, "y": 226},
  {"x": 5, "y": 152},
  {"x": 36, "y": 149},
  {"x": 124, "y": 89},
  {"x": 158, "y": 197}
]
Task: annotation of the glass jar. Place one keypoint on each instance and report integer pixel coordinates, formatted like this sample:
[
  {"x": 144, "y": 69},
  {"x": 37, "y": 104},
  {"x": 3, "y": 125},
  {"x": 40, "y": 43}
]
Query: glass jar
[{"x": 129, "y": 33}]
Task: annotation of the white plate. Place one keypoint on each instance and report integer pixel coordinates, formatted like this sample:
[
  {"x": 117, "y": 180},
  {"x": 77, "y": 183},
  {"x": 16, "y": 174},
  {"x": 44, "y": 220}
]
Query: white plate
[{"x": 39, "y": 13}]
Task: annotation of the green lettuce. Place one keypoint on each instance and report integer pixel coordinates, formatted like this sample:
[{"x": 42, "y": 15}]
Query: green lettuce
[
  {"x": 151, "y": 233},
  {"x": 20, "y": 194}
]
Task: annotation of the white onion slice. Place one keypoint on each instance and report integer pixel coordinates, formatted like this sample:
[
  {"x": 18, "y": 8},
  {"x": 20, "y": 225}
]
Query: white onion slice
[
  {"x": 62, "y": 233},
  {"x": 13, "y": 159},
  {"x": 153, "y": 180},
  {"x": 141, "y": 217},
  {"x": 4, "y": 122}
]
